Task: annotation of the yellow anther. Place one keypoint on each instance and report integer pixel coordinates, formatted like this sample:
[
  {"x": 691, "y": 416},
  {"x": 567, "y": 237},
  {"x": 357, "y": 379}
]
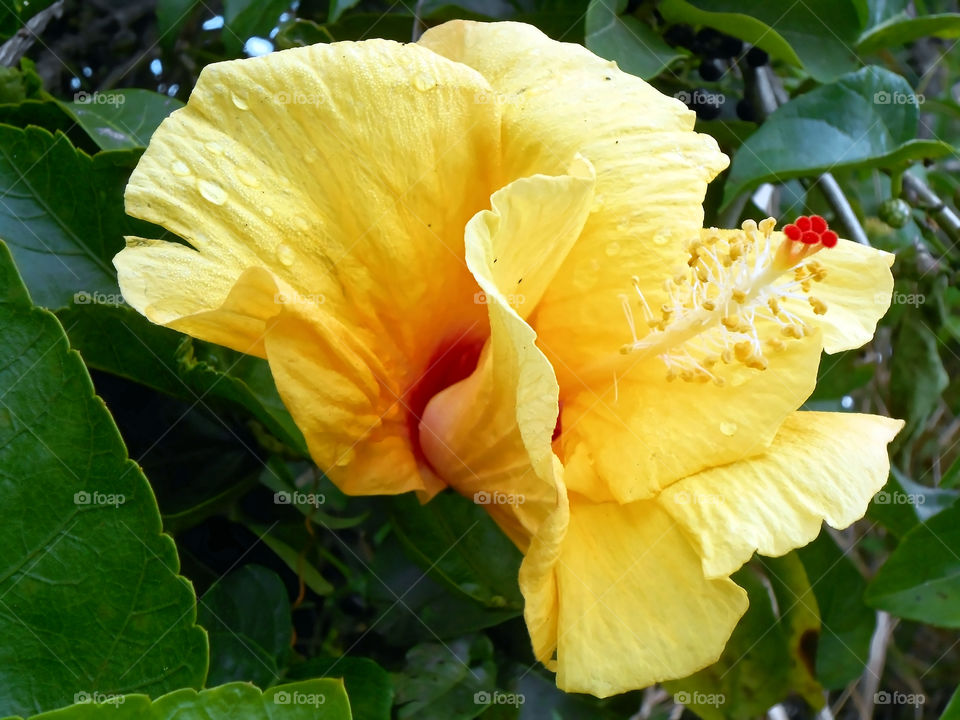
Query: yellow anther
[
  {"x": 776, "y": 343},
  {"x": 767, "y": 225},
  {"x": 719, "y": 381},
  {"x": 702, "y": 274},
  {"x": 727, "y": 356},
  {"x": 805, "y": 286},
  {"x": 792, "y": 331},
  {"x": 819, "y": 306},
  {"x": 710, "y": 360},
  {"x": 743, "y": 350},
  {"x": 774, "y": 305},
  {"x": 738, "y": 296},
  {"x": 756, "y": 362},
  {"x": 749, "y": 226},
  {"x": 709, "y": 305},
  {"x": 736, "y": 251},
  {"x": 731, "y": 322}
]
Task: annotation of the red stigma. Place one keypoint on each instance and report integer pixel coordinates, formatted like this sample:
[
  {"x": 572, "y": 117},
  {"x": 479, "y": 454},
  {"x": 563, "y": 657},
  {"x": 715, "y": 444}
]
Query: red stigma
[{"x": 811, "y": 230}]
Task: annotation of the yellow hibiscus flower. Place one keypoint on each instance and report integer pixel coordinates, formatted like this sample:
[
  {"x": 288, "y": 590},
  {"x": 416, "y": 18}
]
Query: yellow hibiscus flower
[{"x": 478, "y": 262}]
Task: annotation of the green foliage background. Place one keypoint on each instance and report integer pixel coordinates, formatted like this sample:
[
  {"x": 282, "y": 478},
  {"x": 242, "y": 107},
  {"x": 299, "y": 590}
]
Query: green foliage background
[{"x": 110, "y": 567}]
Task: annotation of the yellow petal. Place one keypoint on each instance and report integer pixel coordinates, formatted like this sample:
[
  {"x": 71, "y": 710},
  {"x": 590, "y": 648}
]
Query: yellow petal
[
  {"x": 168, "y": 282},
  {"x": 489, "y": 435},
  {"x": 642, "y": 433},
  {"x": 821, "y": 466},
  {"x": 558, "y": 100},
  {"x": 284, "y": 166},
  {"x": 284, "y": 162},
  {"x": 857, "y": 292},
  {"x": 635, "y": 607}
]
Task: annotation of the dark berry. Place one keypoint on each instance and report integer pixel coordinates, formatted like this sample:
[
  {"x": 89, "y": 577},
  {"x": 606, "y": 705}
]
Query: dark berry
[
  {"x": 895, "y": 212},
  {"x": 746, "y": 111},
  {"x": 679, "y": 36},
  {"x": 715, "y": 44},
  {"x": 712, "y": 70},
  {"x": 757, "y": 57}
]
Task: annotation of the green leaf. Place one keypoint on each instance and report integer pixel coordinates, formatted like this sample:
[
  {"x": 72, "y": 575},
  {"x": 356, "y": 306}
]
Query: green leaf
[
  {"x": 846, "y": 622},
  {"x": 902, "y": 29},
  {"x": 917, "y": 375},
  {"x": 118, "y": 340},
  {"x": 446, "y": 681},
  {"x": 90, "y": 599},
  {"x": 865, "y": 119},
  {"x": 462, "y": 546},
  {"x": 171, "y": 16},
  {"x": 767, "y": 656},
  {"x": 244, "y": 19},
  {"x": 369, "y": 686},
  {"x": 338, "y": 8},
  {"x": 952, "y": 710},
  {"x": 62, "y": 214},
  {"x": 841, "y": 374},
  {"x": 636, "y": 47},
  {"x": 291, "y": 543},
  {"x": 921, "y": 578},
  {"x": 310, "y": 700},
  {"x": 815, "y": 34},
  {"x": 247, "y": 616},
  {"x": 121, "y": 119}
]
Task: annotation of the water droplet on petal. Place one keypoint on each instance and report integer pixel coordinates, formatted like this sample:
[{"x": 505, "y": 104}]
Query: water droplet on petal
[
  {"x": 214, "y": 148},
  {"x": 268, "y": 211},
  {"x": 179, "y": 167},
  {"x": 248, "y": 179},
  {"x": 285, "y": 255},
  {"x": 662, "y": 237},
  {"x": 310, "y": 155},
  {"x": 728, "y": 428},
  {"x": 212, "y": 192},
  {"x": 301, "y": 223},
  {"x": 240, "y": 103},
  {"x": 424, "y": 82},
  {"x": 612, "y": 249}
]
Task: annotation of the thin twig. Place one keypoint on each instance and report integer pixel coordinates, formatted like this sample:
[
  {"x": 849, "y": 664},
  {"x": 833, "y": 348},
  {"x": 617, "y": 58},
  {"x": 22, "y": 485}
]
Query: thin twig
[
  {"x": 920, "y": 196},
  {"x": 14, "y": 48},
  {"x": 770, "y": 97}
]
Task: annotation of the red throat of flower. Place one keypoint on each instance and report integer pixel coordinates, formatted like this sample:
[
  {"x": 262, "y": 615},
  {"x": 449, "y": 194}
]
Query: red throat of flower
[{"x": 451, "y": 362}]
